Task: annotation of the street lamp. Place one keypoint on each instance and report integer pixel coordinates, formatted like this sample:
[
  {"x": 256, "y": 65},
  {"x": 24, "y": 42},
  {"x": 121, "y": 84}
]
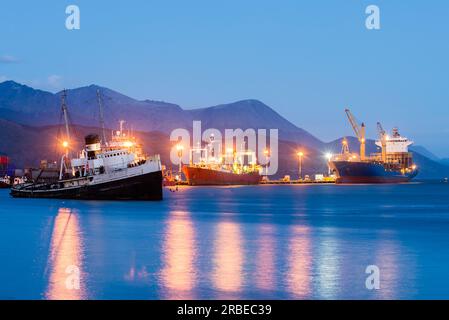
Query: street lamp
[
  {"x": 65, "y": 145},
  {"x": 266, "y": 153},
  {"x": 300, "y": 155},
  {"x": 328, "y": 157},
  {"x": 180, "y": 148}
]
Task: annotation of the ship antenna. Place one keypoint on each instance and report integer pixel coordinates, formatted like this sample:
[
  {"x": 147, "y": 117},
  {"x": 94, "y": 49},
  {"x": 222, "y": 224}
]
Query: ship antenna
[
  {"x": 100, "y": 106},
  {"x": 65, "y": 113}
]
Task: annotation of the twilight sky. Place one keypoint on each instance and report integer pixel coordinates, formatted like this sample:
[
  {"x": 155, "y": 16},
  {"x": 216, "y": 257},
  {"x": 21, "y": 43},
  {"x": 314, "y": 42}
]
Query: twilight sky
[{"x": 306, "y": 59}]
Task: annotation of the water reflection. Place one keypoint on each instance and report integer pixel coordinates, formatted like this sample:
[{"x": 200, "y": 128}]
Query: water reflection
[
  {"x": 227, "y": 275},
  {"x": 65, "y": 261},
  {"x": 137, "y": 274},
  {"x": 388, "y": 267},
  {"x": 179, "y": 253},
  {"x": 265, "y": 263},
  {"x": 328, "y": 267},
  {"x": 299, "y": 262}
]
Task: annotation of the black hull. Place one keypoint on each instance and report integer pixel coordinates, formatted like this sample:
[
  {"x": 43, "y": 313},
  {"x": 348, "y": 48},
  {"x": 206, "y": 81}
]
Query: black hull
[{"x": 144, "y": 187}]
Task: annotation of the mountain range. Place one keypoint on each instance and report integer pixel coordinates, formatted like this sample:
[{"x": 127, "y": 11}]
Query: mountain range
[{"x": 30, "y": 119}]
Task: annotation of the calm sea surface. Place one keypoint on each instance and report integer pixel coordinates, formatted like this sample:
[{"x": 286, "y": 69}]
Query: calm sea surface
[{"x": 281, "y": 242}]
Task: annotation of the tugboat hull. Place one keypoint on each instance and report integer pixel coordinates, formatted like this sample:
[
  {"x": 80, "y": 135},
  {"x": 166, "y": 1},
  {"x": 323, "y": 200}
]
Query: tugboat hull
[
  {"x": 368, "y": 172},
  {"x": 142, "y": 187},
  {"x": 203, "y": 176}
]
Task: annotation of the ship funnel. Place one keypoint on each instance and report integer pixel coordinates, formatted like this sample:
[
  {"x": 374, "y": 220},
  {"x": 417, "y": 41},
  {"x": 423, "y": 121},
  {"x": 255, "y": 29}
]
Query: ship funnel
[{"x": 92, "y": 144}]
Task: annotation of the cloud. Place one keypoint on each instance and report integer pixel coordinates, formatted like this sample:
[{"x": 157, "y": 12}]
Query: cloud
[{"x": 8, "y": 59}]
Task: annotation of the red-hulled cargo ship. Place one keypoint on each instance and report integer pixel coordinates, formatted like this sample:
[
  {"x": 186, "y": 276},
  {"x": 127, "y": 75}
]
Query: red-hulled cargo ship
[
  {"x": 207, "y": 167},
  {"x": 196, "y": 175}
]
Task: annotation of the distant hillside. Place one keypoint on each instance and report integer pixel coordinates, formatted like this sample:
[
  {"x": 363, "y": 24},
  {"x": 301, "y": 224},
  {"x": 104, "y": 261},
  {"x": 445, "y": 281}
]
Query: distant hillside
[
  {"x": 422, "y": 150},
  {"x": 25, "y": 105},
  {"x": 253, "y": 114}
]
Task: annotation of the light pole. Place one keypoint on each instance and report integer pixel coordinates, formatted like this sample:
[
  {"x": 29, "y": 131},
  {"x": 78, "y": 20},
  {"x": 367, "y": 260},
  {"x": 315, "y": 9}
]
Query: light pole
[
  {"x": 300, "y": 155},
  {"x": 179, "y": 148},
  {"x": 329, "y": 157}
]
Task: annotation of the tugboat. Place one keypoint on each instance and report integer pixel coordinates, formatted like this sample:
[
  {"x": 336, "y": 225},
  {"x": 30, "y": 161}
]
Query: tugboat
[
  {"x": 212, "y": 170},
  {"x": 394, "y": 164},
  {"x": 117, "y": 170}
]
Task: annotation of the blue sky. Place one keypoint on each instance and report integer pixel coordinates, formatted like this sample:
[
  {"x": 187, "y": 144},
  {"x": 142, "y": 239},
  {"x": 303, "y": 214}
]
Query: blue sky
[{"x": 306, "y": 59}]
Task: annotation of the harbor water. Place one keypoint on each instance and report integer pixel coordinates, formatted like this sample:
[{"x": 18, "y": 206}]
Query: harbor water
[{"x": 248, "y": 242}]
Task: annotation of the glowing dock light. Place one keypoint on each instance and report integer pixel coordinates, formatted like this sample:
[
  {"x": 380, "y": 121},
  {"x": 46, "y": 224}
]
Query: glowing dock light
[
  {"x": 65, "y": 144},
  {"x": 300, "y": 154},
  {"x": 180, "y": 148},
  {"x": 128, "y": 144}
]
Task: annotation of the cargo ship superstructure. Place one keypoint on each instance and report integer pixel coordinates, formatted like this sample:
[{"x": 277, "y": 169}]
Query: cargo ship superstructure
[
  {"x": 231, "y": 168},
  {"x": 394, "y": 164},
  {"x": 113, "y": 170}
]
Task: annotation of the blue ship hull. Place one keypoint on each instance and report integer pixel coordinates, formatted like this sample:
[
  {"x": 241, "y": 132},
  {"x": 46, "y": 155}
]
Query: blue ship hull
[{"x": 369, "y": 172}]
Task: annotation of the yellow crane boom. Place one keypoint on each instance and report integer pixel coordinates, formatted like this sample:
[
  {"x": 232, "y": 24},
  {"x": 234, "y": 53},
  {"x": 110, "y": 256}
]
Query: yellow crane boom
[
  {"x": 359, "y": 132},
  {"x": 383, "y": 141}
]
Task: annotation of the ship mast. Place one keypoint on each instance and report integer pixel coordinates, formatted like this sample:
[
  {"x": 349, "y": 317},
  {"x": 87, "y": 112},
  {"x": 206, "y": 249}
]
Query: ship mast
[
  {"x": 65, "y": 114},
  {"x": 66, "y": 143},
  {"x": 100, "y": 106}
]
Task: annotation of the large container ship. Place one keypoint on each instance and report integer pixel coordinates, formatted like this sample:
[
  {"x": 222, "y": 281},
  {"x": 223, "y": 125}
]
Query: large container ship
[
  {"x": 114, "y": 170},
  {"x": 394, "y": 164},
  {"x": 233, "y": 168}
]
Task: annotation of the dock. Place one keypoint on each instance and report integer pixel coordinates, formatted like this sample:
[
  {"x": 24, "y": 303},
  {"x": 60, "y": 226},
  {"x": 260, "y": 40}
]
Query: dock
[{"x": 274, "y": 182}]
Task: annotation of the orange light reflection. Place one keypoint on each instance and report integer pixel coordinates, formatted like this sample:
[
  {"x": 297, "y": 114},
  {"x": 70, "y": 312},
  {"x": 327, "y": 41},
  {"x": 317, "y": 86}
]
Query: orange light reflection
[
  {"x": 228, "y": 258},
  {"x": 265, "y": 263},
  {"x": 299, "y": 262},
  {"x": 66, "y": 252},
  {"x": 179, "y": 248}
]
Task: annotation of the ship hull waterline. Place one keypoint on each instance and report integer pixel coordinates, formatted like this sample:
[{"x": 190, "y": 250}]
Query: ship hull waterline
[
  {"x": 142, "y": 187},
  {"x": 203, "y": 177},
  {"x": 368, "y": 172}
]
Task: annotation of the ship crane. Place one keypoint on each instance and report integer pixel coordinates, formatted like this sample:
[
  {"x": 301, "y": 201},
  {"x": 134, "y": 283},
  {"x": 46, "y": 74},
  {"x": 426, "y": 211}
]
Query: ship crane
[
  {"x": 383, "y": 141},
  {"x": 359, "y": 132},
  {"x": 345, "y": 147}
]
